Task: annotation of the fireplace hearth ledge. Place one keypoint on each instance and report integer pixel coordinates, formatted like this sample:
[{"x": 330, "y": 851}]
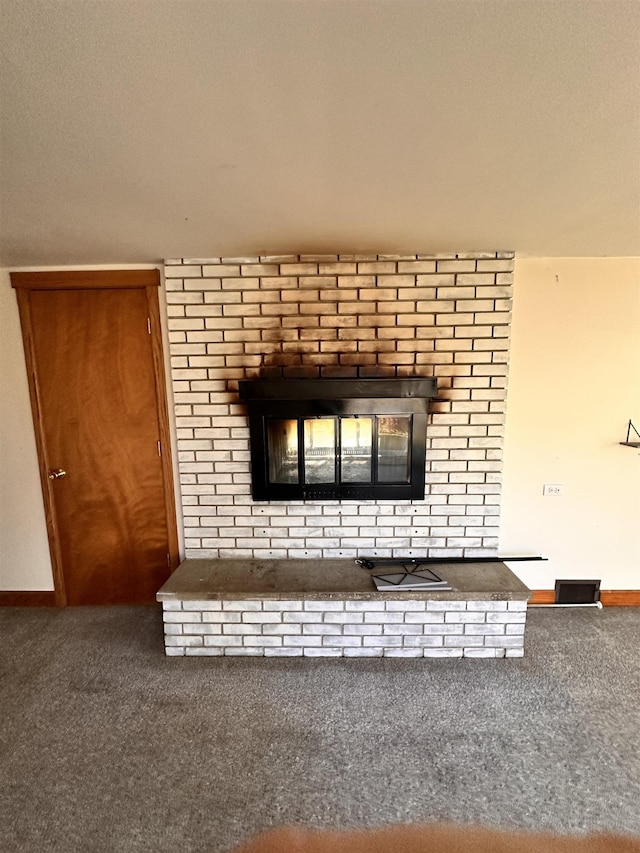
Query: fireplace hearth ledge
[{"x": 331, "y": 608}]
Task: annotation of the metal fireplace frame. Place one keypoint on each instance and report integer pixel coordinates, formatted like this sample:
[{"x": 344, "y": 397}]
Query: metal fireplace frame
[{"x": 299, "y": 399}]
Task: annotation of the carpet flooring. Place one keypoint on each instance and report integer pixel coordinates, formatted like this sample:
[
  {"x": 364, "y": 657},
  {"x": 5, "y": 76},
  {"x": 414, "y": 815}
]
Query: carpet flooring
[{"x": 107, "y": 745}]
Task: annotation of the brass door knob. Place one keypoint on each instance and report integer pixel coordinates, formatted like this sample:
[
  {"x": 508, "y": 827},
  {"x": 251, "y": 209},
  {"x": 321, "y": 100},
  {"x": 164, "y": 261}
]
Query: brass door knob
[{"x": 57, "y": 473}]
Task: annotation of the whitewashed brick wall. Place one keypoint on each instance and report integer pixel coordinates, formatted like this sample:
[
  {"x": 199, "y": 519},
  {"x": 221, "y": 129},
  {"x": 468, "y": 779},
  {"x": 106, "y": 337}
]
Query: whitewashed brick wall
[
  {"x": 345, "y": 628},
  {"x": 373, "y": 316}
]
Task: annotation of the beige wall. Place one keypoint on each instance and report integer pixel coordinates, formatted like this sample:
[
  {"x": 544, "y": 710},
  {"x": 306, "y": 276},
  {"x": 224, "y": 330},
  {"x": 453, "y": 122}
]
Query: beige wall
[
  {"x": 24, "y": 551},
  {"x": 574, "y": 383}
]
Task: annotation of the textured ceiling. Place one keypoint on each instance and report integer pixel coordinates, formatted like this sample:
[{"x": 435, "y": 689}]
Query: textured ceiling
[{"x": 137, "y": 130}]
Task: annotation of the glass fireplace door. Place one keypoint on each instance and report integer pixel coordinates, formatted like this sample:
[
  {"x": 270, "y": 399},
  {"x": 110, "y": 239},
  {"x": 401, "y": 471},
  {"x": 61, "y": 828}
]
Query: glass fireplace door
[
  {"x": 319, "y": 450},
  {"x": 338, "y": 439},
  {"x": 356, "y": 450},
  {"x": 394, "y": 442},
  {"x": 282, "y": 450},
  {"x": 329, "y": 457}
]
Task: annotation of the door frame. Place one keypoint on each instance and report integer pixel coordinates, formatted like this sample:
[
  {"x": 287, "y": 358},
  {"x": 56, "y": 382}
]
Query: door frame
[{"x": 149, "y": 280}]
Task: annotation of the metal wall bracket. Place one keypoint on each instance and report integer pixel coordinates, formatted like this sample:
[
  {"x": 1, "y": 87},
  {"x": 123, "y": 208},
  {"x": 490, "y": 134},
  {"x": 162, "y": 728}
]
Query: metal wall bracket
[{"x": 631, "y": 442}]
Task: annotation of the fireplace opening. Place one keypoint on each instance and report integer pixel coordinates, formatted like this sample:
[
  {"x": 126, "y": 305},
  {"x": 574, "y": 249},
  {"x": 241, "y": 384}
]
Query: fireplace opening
[{"x": 337, "y": 439}]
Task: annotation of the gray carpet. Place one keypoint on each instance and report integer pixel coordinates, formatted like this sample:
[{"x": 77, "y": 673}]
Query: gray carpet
[{"x": 106, "y": 745}]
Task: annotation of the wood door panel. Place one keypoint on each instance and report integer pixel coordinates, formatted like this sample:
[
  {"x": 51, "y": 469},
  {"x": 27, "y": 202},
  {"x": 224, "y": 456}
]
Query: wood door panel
[{"x": 98, "y": 408}]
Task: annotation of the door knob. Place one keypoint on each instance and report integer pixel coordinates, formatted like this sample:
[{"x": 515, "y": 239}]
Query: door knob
[{"x": 57, "y": 473}]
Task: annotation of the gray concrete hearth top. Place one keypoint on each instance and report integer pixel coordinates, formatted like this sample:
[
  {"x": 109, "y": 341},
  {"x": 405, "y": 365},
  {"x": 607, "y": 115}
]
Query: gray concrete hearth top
[{"x": 202, "y": 579}]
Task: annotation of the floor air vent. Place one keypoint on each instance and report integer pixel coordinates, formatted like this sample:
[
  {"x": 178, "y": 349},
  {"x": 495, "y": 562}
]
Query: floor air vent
[{"x": 577, "y": 592}]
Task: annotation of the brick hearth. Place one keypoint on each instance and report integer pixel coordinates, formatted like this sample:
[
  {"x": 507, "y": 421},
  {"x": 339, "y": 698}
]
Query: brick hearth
[{"x": 331, "y": 609}]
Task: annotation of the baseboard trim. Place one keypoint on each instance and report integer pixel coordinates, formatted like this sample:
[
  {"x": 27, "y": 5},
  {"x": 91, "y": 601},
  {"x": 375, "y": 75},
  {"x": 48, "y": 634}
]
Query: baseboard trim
[
  {"x": 620, "y": 597},
  {"x": 28, "y": 599},
  {"x": 542, "y": 596},
  {"x": 608, "y": 597}
]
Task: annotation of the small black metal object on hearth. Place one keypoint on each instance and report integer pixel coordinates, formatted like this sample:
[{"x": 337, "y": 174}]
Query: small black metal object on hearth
[
  {"x": 412, "y": 574},
  {"x": 406, "y": 574}
]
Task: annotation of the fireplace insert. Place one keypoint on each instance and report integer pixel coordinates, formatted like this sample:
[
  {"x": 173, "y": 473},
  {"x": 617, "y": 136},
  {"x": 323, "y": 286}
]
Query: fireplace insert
[{"x": 338, "y": 439}]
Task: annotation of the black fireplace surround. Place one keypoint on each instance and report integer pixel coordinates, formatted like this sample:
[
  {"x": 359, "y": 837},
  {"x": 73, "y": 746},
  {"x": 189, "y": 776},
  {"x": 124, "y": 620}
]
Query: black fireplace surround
[{"x": 338, "y": 439}]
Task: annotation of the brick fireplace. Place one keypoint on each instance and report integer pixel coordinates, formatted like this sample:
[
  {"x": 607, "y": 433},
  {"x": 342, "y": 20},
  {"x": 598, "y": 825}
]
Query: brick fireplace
[{"x": 341, "y": 316}]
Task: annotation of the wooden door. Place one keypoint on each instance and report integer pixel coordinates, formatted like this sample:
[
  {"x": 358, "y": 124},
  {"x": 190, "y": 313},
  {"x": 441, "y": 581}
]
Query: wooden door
[{"x": 95, "y": 369}]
